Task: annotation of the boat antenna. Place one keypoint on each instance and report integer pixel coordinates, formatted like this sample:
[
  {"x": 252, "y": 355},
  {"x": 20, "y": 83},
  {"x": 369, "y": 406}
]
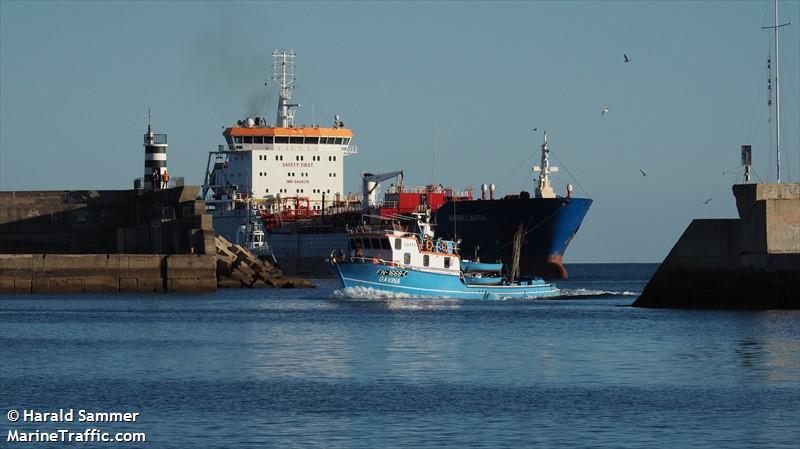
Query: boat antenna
[
  {"x": 543, "y": 188},
  {"x": 775, "y": 29},
  {"x": 283, "y": 75}
]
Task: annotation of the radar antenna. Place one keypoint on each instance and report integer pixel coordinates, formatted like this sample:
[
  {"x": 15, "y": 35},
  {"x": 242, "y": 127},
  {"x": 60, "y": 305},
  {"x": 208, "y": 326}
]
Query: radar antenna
[{"x": 283, "y": 75}]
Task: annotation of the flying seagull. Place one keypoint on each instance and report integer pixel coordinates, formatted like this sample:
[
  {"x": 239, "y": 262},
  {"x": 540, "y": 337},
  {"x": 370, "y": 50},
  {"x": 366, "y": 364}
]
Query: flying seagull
[
  {"x": 604, "y": 111},
  {"x": 643, "y": 173},
  {"x": 707, "y": 201},
  {"x": 626, "y": 58}
]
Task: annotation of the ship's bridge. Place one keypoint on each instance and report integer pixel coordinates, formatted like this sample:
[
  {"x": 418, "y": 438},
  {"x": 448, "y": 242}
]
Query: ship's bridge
[{"x": 246, "y": 138}]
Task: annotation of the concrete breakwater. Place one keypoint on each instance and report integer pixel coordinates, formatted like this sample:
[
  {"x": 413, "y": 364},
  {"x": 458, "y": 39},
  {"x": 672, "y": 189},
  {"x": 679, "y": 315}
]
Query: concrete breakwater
[
  {"x": 119, "y": 241},
  {"x": 170, "y": 221},
  {"x": 106, "y": 273},
  {"x": 752, "y": 262}
]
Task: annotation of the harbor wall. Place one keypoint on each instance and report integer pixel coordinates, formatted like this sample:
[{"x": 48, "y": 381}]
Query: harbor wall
[
  {"x": 106, "y": 241},
  {"x": 170, "y": 221},
  {"x": 106, "y": 273},
  {"x": 752, "y": 262}
]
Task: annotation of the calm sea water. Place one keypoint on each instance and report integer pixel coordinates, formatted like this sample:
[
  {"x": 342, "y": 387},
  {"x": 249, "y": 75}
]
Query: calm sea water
[{"x": 308, "y": 368}]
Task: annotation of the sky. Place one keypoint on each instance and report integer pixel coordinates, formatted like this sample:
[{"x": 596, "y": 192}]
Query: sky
[{"x": 465, "y": 81}]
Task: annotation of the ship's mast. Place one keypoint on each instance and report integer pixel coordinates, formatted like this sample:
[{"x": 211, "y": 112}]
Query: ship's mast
[
  {"x": 544, "y": 189},
  {"x": 777, "y": 91},
  {"x": 283, "y": 75}
]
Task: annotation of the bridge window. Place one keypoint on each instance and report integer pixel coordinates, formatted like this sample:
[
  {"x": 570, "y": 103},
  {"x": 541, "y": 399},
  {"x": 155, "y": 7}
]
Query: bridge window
[
  {"x": 447, "y": 262},
  {"x": 338, "y": 141},
  {"x": 267, "y": 139},
  {"x": 312, "y": 140},
  {"x": 258, "y": 139},
  {"x": 376, "y": 243},
  {"x": 248, "y": 139},
  {"x": 365, "y": 243},
  {"x": 346, "y": 141},
  {"x": 296, "y": 139},
  {"x": 237, "y": 139},
  {"x": 385, "y": 244},
  {"x": 281, "y": 139},
  {"x": 426, "y": 260},
  {"x": 398, "y": 243},
  {"x": 407, "y": 258}
]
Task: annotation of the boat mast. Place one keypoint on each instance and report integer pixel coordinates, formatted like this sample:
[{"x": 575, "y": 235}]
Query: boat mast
[
  {"x": 283, "y": 75},
  {"x": 777, "y": 91},
  {"x": 544, "y": 189}
]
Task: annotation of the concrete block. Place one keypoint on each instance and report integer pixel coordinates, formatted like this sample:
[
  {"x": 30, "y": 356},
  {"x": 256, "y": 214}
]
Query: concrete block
[
  {"x": 191, "y": 266},
  {"x": 128, "y": 285},
  {"x": 6, "y": 285},
  {"x": 62, "y": 285},
  {"x": 245, "y": 279},
  {"x": 204, "y": 222},
  {"x": 229, "y": 283},
  {"x": 141, "y": 266},
  {"x": 149, "y": 284},
  {"x": 192, "y": 285},
  {"x": 101, "y": 284},
  {"x": 23, "y": 286},
  {"x": 16, "y": 265},
  {"x": 80, "y": 265},
  {"x": 244, "y": 268}
]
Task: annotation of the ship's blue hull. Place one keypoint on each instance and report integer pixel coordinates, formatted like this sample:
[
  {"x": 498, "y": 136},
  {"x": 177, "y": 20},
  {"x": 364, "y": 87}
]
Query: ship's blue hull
[
  {"x": 487, "y": 228},
  {"x": 426, "y": 284}
]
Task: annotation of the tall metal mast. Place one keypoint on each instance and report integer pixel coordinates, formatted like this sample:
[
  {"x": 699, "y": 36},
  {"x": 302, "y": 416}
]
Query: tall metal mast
[
  {"x": 777, "y": 90},
  {"x": 543, "y": 187},
  {"x": 283, "y": 75}
]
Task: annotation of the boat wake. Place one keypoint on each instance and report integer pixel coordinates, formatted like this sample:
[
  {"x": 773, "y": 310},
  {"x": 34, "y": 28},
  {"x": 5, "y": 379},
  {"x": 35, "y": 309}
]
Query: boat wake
[
  {"x": 369, "y": 293},
  {"x": 584, "y": 293},
  {"x": 394, "y": 300}
]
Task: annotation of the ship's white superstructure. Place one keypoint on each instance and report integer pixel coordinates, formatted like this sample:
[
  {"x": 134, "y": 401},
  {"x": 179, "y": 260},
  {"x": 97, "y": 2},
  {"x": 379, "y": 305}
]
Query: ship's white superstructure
[{"x": 280, "y": 167}]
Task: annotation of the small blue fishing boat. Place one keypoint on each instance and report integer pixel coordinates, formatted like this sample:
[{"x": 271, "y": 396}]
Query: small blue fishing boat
[{"x": 413, "y": 263}]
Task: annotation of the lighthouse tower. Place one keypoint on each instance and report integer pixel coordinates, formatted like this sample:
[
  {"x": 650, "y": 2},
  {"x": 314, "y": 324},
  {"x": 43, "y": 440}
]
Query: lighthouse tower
[{"x": 155, "y": 158}]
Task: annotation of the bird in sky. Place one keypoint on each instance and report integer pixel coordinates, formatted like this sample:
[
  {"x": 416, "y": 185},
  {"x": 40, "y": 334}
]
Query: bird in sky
[
  {"x": 626, "y": 58},
  {"x": 707, "y": 201},
  {"x": 604, "y": 111},
  {"x": 643, "y": 173},
  {"x": 536, "y": 129}
]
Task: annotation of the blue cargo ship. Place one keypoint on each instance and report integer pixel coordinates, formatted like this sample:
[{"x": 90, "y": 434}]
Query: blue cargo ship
[{"x": 486, "y": 227}]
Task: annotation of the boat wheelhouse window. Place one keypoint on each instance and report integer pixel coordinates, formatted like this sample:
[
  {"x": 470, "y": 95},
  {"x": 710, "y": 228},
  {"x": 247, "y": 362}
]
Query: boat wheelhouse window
[
  {"x": 385, "y": 244},
  {"x": 312, "y": 140},
  {"x": 376, "y": 243},
  {"x": 248, "y": 139},
  {"x": 296, "y": 139},
  {"x": 398, "y": 243},
  {"x": 237, "y": 139},
  {"x": 407, "y": 258},
  {"x": 346, "y": 141},
  {"x": 426, "y": 260},
  {"x": 338, "y": 141},
  {"x": 258, "y": 139},
  {"x": 351, "y": 244},
  {"x": 365, "y": 243},
  {"x": 447, "y": 262},
  {"x": 281, "y": 139}
]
